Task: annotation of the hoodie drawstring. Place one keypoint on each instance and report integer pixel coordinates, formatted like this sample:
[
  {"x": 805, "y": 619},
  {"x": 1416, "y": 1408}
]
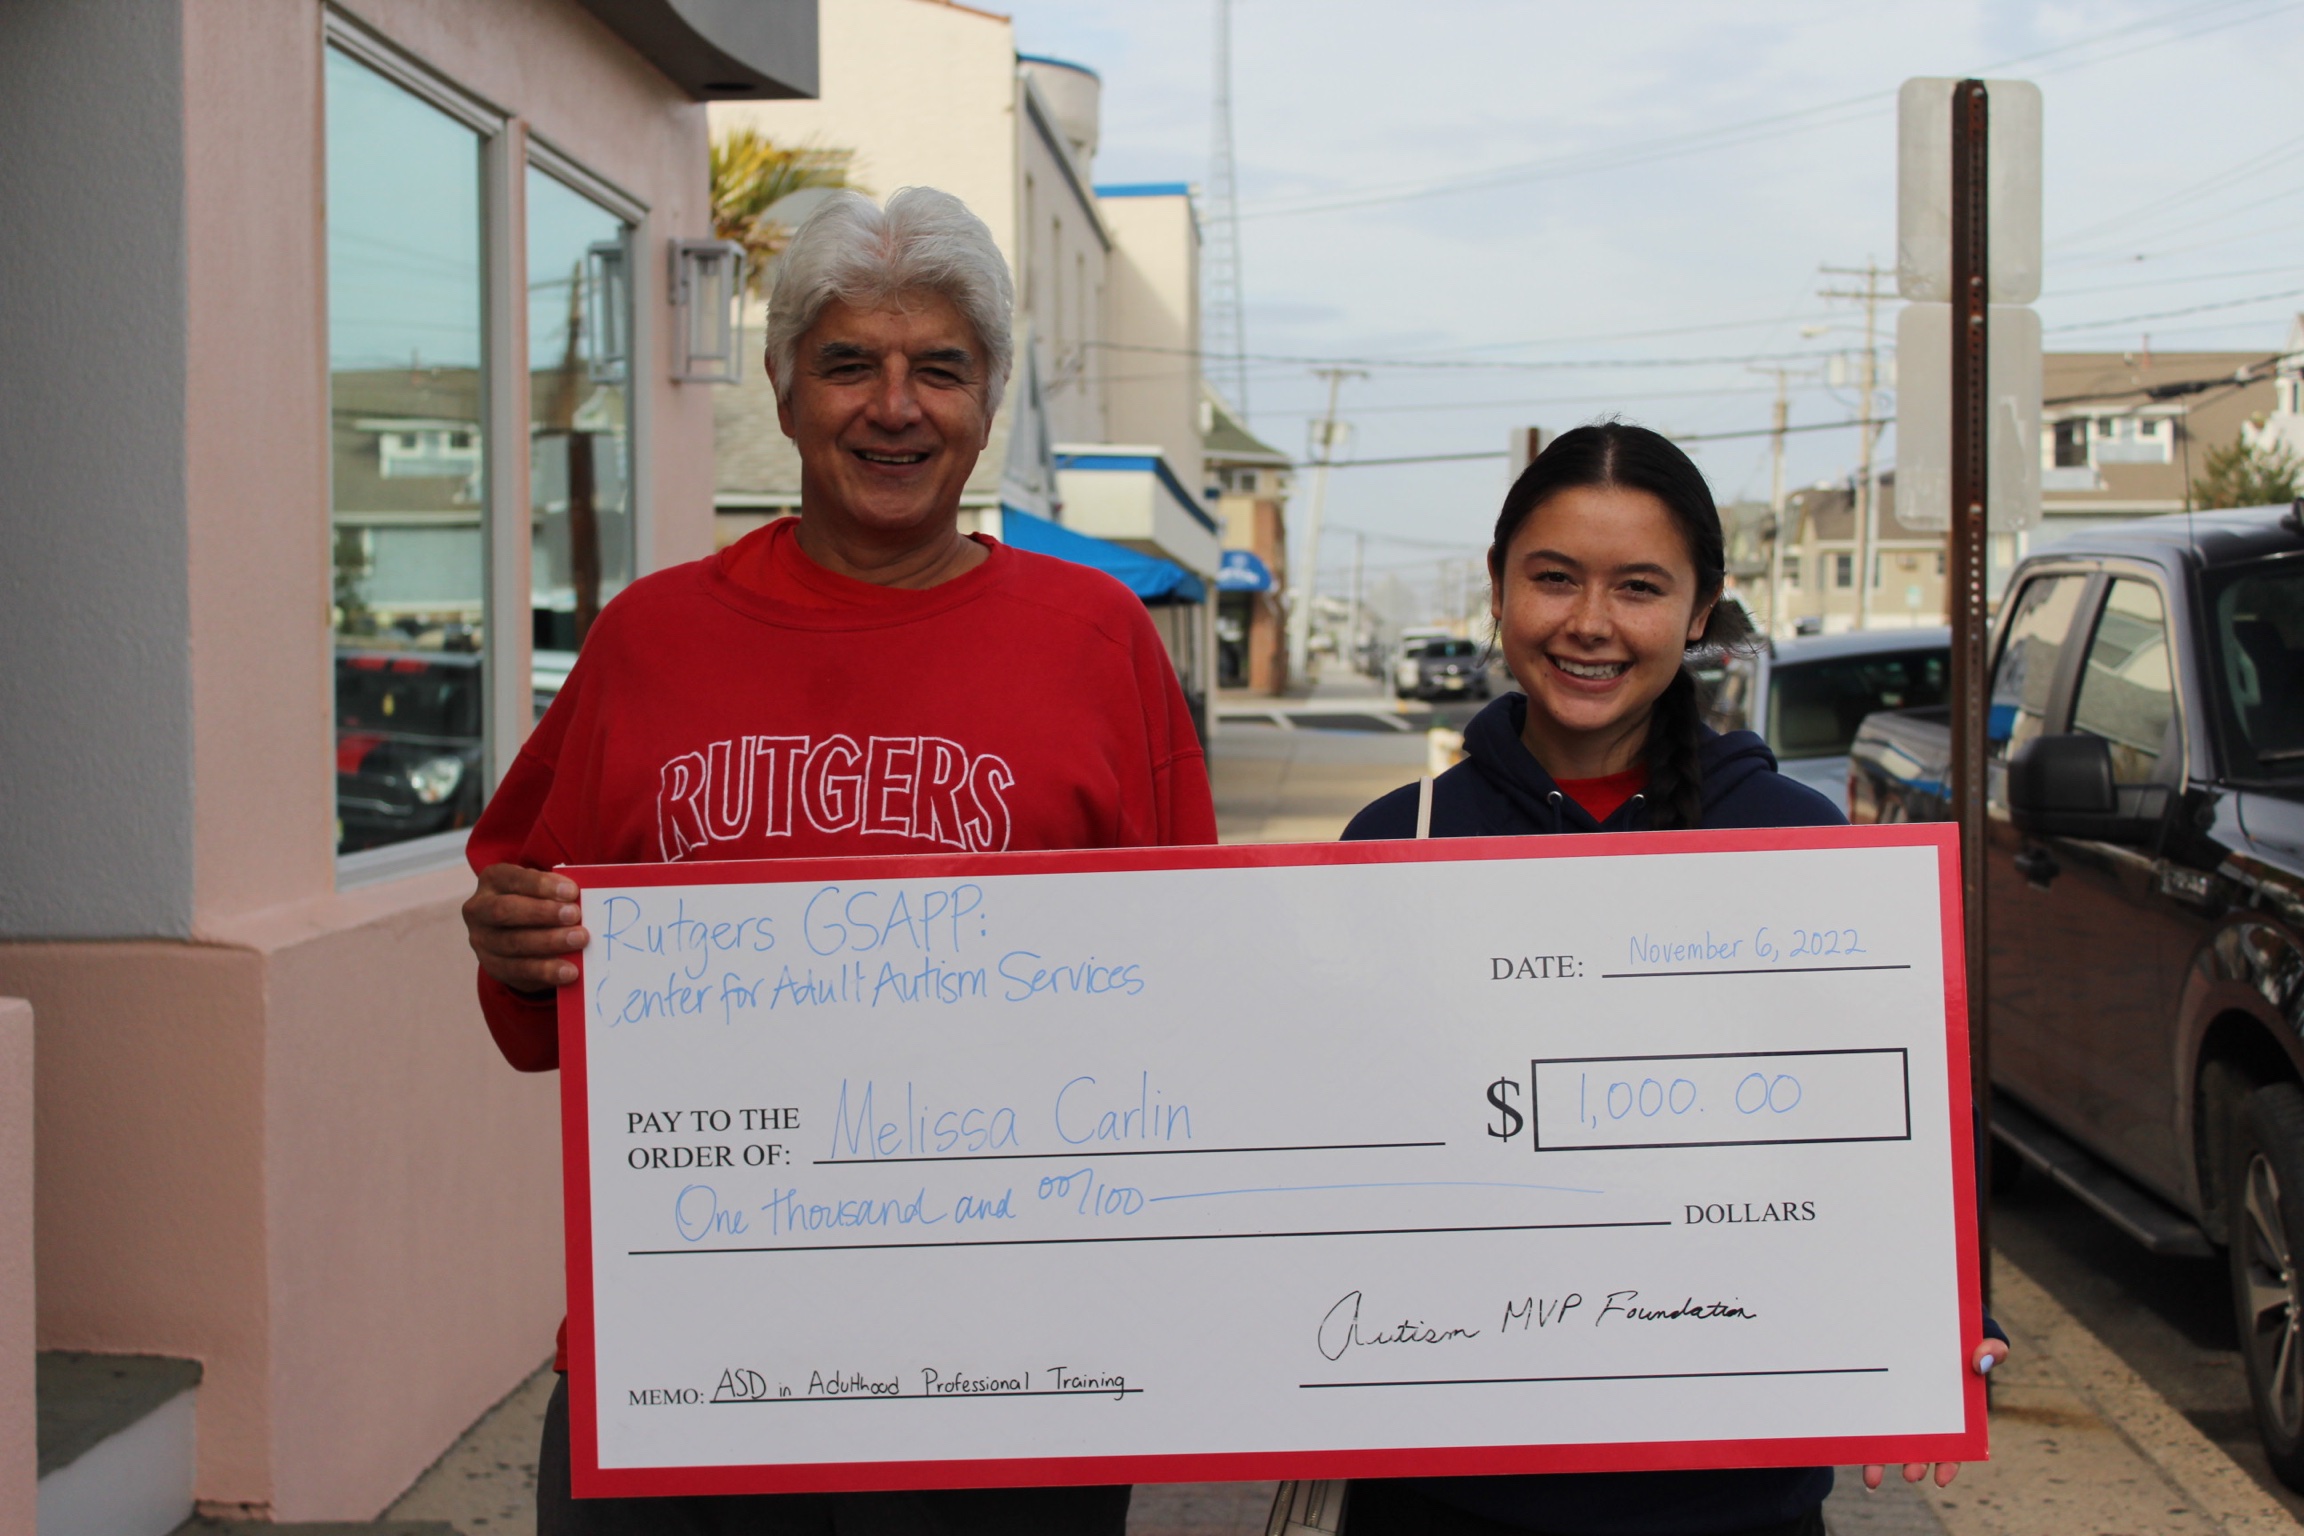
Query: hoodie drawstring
[{"x": 1553, "y": 800}]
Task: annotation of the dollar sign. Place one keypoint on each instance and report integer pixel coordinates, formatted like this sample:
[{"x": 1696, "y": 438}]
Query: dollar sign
[{"x": 1508, "y": 1119}]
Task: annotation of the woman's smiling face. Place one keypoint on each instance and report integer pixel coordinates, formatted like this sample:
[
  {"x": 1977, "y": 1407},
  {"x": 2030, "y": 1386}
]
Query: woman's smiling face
[{"x": 1595, "y": 605}]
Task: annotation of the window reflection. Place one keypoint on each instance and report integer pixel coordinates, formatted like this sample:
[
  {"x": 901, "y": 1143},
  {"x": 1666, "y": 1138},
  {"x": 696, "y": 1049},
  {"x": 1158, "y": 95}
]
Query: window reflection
[
  {"x": 2127, "y": 695},
  {"x": 2027, "y": 670},
  {"x": 580, "y": 441},
  {"x": 408, "y": 471}
]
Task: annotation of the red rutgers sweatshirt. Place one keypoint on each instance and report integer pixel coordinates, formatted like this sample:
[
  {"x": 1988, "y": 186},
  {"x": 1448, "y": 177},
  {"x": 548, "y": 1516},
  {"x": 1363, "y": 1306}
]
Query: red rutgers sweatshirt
[{"x": 755, "y": 705}]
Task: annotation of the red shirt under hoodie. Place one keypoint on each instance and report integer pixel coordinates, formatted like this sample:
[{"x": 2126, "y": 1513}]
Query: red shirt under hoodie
[{"x": 757, "y": 706}]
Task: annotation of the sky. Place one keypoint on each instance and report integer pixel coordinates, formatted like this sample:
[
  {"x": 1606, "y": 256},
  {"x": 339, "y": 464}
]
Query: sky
[{"x": 1535, "y": 212}]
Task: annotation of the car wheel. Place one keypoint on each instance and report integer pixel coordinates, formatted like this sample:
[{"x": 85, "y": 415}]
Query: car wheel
[{"x": 2267, "y": 1242}]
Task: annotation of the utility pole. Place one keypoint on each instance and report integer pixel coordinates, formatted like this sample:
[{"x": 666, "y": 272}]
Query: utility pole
[
  {"x": 1778, "y": 422},
  {"x": 1307, "y": 591},
  {"x": 1223, "y": 334},
  {"x": 1352, "y": 625},
  {"x": 1868, "y": 418}
]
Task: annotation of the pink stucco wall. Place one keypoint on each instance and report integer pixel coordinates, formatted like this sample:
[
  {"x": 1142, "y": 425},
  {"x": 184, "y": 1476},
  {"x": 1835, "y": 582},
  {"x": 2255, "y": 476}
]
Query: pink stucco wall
[
  {"x": 19, "y": 1431},
  {"x": 288, "y": 1149},
  {"x": 148, "y": 1082},
  {"x": 411, "y": 1196}
]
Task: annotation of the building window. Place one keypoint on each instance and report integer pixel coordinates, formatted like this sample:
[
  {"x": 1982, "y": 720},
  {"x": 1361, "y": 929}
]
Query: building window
[
  {"x": 407, "y": 365},
  {"x": 1844, "y": 571},
  {"x": 2071, "y": 444},
  {"x": 580, "y": 426},
  {"x": 2130, "y": 440},
  {"x": 1792, "y": 572},
  {"x": 1939, "y": 562}
]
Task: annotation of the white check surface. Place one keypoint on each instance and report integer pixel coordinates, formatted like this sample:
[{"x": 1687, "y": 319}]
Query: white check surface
[{"x": 1270, "y": 1159}]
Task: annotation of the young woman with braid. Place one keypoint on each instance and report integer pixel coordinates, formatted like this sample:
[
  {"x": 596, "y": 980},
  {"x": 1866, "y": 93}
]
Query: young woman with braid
[{"x": 1605, "y": 572}]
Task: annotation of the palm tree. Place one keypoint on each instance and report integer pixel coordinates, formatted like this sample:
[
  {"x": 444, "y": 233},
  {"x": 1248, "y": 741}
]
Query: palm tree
[{"x": 751, "y": 174}]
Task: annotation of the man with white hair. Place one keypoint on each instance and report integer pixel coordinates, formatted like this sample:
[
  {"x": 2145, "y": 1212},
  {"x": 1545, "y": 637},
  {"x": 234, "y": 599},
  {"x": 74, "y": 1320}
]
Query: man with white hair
[{"x": 862, "y": 678}]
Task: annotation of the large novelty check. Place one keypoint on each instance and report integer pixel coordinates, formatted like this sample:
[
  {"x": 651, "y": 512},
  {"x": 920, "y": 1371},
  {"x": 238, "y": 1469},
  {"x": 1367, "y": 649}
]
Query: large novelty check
[{"x": 1320, "y": 1160}]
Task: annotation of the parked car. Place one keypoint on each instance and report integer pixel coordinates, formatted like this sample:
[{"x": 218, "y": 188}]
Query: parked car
[
  {"x": 1806, "y": 697},
  {"x": 408, "y": 745},
  {"x": 1405, "y": 672},
  {"x": 2145, "y": 898},
  {"x": 1444, "y": 668}
]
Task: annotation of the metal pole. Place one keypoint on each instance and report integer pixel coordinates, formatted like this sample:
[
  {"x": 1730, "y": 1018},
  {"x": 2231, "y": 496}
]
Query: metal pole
[
  {"x": 1300, "y": 619},
  {"x": 1868, "y": 500},
  {"x": 1352, "y": 625},
  {"x": 1970, "y": 557},
  {"x": 1776, "y": 506}
]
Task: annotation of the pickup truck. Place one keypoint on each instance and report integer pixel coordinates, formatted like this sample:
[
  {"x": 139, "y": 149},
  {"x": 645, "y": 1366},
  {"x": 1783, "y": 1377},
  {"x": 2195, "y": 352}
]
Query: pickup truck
[{"x": 2144, "y": 889}]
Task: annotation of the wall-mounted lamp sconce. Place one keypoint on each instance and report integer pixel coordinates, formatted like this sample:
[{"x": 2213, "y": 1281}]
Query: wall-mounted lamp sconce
[{"x": 707, "y": 287}]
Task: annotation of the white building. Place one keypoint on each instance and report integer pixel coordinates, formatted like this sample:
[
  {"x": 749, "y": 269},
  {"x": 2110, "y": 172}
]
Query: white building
[{"x": 1101, "y": 428}]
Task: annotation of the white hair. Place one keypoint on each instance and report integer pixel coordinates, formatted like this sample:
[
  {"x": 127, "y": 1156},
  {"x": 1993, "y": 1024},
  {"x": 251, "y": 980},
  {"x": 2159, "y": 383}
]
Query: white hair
[{"x": 924, "y": 241}]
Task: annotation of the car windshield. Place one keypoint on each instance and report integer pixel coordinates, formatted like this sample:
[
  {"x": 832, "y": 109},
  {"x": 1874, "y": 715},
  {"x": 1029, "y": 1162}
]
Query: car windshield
[
  {"x": 1815, "y": 706},
  {"x": 2259, "y": 628},
  {"x": 407, "y": 696},
  {"x": 1450, "y": 650}
]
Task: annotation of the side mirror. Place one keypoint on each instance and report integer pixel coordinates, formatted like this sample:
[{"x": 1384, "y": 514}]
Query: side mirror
[{"x": 2062, "y": 786}]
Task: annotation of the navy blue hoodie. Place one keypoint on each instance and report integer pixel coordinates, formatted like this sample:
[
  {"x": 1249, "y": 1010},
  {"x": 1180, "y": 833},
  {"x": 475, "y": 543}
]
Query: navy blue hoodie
[{"x": 1501, "y": 790}]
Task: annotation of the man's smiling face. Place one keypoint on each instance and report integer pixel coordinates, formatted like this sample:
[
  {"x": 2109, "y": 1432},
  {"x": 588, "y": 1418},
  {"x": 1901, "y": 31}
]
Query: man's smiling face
[{"x": 888, "y": 414}]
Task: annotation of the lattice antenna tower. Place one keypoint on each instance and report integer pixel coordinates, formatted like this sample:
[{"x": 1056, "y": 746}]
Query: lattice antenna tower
[{"x": 1223, "y": 339}]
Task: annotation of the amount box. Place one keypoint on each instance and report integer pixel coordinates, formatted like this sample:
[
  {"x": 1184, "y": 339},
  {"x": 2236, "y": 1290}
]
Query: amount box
[{"x": 1720, "y": 1099}]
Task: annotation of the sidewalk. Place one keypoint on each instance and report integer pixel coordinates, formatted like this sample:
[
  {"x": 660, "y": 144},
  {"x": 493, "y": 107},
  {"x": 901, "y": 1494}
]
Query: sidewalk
[{"x": 2080, "y": 1446}]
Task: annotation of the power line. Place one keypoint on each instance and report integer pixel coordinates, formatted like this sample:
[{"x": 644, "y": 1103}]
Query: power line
[
  {"x": 1504, "y": 365},
  {"x": 2170, "y": 314},
  {"x": 2168, "y": 389},
  {"x": 1678, "y": 437},
  {"x": 1733, "y": 135},
  {"x": 1520, "y": 404}
]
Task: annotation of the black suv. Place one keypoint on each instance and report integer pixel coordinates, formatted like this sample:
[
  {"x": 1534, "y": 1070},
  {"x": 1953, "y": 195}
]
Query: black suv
[
  {"x": 408, "y": 745},
  {"x": 1445, "y": 669}
]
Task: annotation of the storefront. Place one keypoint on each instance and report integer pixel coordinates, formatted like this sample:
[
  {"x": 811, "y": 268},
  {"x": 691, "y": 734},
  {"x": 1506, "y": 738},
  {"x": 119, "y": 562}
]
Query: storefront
[{"x": 306, "y": 486}]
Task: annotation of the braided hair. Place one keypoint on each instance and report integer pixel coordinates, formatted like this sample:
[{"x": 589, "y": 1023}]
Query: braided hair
[{"x": 1613, "y": 454}]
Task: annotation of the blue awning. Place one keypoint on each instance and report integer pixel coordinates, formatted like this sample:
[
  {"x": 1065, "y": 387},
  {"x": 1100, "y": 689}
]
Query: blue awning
[
  {"x": 1243, "y": 571},
  {"x": 1148, "y": 576}
]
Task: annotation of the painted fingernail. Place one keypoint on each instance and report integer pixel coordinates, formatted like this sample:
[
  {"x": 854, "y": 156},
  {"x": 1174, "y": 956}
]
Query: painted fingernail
[{"x": 1985, "y": 1363}]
